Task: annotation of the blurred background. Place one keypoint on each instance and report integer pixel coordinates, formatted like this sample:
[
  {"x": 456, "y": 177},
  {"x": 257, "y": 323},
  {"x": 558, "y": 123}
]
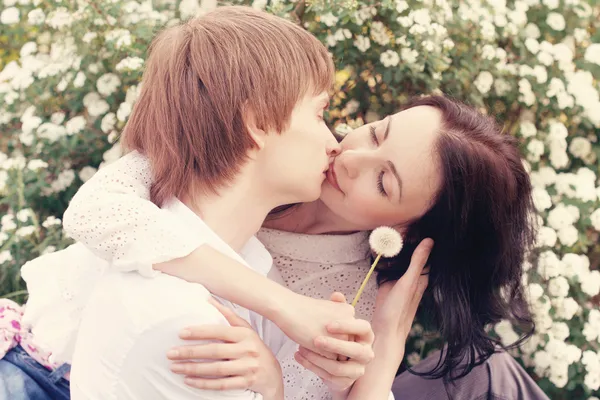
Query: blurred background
[{"x": 70, "y": 72}]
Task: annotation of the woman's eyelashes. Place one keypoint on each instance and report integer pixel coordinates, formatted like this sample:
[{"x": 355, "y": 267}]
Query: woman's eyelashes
[
  {"x": 373, "y": 135},
  {"x": 380, "y": 184}
]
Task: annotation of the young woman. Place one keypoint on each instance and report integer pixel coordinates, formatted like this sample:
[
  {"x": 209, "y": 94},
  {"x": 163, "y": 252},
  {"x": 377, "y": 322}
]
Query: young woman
[{"x": 438, "y": 169}]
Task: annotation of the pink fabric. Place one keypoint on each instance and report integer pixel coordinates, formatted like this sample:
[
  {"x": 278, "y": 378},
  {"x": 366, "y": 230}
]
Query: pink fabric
[{"x": 13, "y": 333}]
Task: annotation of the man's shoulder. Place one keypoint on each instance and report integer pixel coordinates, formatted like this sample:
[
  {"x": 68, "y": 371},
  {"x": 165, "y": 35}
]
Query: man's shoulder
[{"x": 147, "y": 302}]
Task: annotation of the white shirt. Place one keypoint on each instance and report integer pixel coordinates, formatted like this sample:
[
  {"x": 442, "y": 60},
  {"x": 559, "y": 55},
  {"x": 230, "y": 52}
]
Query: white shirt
[{"x": 130, "y": 322}]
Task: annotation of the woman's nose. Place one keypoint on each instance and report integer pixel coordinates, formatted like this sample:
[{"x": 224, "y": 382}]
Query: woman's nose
[{"x": 353, "y": 161}]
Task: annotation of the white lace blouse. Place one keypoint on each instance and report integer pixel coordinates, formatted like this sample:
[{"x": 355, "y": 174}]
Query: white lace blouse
[{"x": 112, "y": 216}]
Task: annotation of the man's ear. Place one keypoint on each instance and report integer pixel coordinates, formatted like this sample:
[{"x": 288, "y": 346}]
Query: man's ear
[{"x": 258, "y": 135}]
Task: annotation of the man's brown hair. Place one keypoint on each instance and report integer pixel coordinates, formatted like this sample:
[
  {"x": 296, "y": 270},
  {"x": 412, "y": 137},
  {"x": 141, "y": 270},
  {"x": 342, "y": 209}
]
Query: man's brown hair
[{"x": 201, "y": 78}]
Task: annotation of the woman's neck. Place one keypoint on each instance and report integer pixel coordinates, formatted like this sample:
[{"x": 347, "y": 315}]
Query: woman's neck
[{"x": 310, "y": 218}]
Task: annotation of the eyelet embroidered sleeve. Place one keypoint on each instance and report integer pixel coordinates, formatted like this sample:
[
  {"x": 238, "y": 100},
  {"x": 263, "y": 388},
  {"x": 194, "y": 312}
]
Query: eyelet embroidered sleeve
[{"x": 113, "y": 216}]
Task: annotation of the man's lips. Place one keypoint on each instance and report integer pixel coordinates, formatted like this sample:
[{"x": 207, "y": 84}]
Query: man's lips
[{"x": 332, "y": 178}]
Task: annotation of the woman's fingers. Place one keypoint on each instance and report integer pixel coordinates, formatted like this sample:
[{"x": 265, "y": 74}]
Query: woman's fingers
[
  {"x": 356, "y": 351},
  {"x": 230, "y": 383},
  {"x": 419, "y": 259},
  {"x": 341, "y": 369},
  {"x": 359, "y": 328},
  {"x": 215, "y": 369},
  {"x": 210, "y": 351}
]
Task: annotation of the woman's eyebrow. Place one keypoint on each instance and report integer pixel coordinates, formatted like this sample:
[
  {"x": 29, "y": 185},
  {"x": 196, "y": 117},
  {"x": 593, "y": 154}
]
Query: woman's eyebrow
[{"x": 387, "y": 128}]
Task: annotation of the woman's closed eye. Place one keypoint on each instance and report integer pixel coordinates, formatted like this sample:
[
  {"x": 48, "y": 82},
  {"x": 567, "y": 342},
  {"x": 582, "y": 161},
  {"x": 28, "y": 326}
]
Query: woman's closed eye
[{"x": 380, "y": 186}]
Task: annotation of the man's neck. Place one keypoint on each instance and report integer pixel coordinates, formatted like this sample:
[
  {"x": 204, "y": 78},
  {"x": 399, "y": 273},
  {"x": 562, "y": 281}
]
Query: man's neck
[{"x": 237, "y": 212}]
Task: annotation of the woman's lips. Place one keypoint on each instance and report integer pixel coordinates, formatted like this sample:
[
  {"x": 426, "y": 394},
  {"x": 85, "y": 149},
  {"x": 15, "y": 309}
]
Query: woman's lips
[{"x": 332, "y": 178}]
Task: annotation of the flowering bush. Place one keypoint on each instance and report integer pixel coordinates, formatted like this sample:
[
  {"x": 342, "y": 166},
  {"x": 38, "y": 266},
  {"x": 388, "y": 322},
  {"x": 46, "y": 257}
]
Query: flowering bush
[{"x": 70, "y": 73}]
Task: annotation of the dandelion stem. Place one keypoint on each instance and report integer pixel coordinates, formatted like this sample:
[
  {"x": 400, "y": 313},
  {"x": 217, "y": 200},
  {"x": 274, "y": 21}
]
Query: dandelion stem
[{"x": 364, "y": 283}]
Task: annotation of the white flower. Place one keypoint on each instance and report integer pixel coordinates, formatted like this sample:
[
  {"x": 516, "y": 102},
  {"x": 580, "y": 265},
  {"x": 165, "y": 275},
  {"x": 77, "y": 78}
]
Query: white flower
[
  {"x": 549, "y": 265},
  {"x": 580, "y": 35},
  {"x": 79, "y": 80},
  {"x": 558, "y": 287},
  {"x": 75, "y": 125},
  {"x": 28, "y": 49},
  {"x": 542, "y": 360},
  {"x": 107, "y": 84},
  {"x": 5, "y": 257},
  {"x": 541, "y": 199},
  {"x": 575, "y": 265},
  {"x": 389, "y": 58},
  {"x": 24, "y": 214},
  {"x": 362, "y": 43},
  {"x": 36, "y": 17},
  {"x": 540, "y": 73},
  {"x": 10, "y": 16},
  {"x": 535, "y": 149},
  {"x": 502, "y": 87},
  {"x": 562, "y": 216},
  {"x": 59, "y": 18},
  {"x": 95, "y": 104},
  {"x": 551, "y": 4},
  {"x": 546, "y": 237},
  {"x": 560, "y": 331},
  {"x": 527, "y": 129},
  {"x": 566, "y": 308},
  {"x": 121, "y": 37},
  {"x": 329, "y": 19},
  {"x": 189, "y": 8},
  {"x": 526, "y": 93},
  {"x": 532, "y": 45},
  {"x": 89, "y": 36},
  {"x": 595, "y": 219},
  {"x": 48, "y": 250},
  {"x": 130, "y": 63},
  {"x": 535, "y": 292},
  {"x": 86, "y": 173},
  {"x": 580, "y": 147},
  {"x": 8, "y": 223},
  {"x": 25, "y": 231},
  {"x": 51, "y": 221},
  {"x": 556, "y": 21},
  {"x": 36, "y": 164},
  {"x": 123, "y": 111},
  {"x": 484, "y": 82},
  {"x": 385, "y": 241},
  {"x": 51, "y": 132},
  {"x": 108, "y": 122},
  {"x": 57, "y": 118},
  {"x": 409, "y": 55},
  {"x": 401, "y": 6},
  {"x": 112, "y": 154},
  {"x": 532, "y": 31},
  {"x": 506, "y": 332},
  {"x": 592, "y": 53},
  {"x": 568, "y": 235},
  {"x": 379, "y": 33},
  {"x": 590, "y": 283},
  {"x": 63, "y": 181}
]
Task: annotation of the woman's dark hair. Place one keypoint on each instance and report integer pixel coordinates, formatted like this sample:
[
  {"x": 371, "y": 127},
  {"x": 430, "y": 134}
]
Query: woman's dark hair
[{"x": 482, "y": 223}]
